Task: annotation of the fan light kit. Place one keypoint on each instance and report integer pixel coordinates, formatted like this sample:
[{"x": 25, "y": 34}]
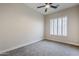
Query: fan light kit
[{"x": 47, "y": 6}]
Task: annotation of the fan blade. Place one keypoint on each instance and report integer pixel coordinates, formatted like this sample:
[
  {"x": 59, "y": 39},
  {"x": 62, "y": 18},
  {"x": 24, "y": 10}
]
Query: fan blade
[
  {"x": 50, "y": 3},
  {"x": 46, "y": 3},
  {"x": 41, "y": 6},
  {"x": 54, "y": 7},
  {"x": 46, "y": 10}
]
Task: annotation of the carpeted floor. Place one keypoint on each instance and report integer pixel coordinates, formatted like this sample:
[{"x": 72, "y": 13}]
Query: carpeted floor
[{"x": 45, "y": 48}]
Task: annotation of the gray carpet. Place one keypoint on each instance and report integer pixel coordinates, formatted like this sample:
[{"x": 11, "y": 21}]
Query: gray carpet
[{"x": 45, "y": 48}]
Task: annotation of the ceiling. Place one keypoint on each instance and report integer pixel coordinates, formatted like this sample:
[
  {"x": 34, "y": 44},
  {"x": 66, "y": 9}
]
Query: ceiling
[{"x": 50, "y": 10}]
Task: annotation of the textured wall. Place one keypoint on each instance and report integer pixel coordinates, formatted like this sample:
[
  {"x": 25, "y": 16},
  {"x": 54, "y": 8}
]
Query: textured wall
[{"x": 19, "y": 25}]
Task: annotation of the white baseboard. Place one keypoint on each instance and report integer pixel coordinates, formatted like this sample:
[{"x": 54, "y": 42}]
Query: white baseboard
[
  {"x": 6, "y": 50},
  {"x": 71, "y": 43}
]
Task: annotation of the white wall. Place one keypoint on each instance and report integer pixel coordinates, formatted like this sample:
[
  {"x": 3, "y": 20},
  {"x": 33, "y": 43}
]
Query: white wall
[
  {"x": 73, "y": 26},
  {"x": 19, "y": 25}
]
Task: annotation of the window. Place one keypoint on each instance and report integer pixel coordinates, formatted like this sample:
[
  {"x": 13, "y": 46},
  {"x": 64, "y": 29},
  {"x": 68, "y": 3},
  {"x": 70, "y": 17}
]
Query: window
[
  {"x": 51, "y": 27},
  {"x": 55, "y": 26},
  {"x": 65, "y": 26},
  {"x": 58, "y": 26}
]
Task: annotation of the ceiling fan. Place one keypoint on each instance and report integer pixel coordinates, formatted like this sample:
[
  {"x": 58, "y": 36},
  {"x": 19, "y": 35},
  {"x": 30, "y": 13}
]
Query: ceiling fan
[{"x": 48, "y": 5}]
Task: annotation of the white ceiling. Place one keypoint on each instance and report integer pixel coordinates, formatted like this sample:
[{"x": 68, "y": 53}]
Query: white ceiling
[{"x": 50, "y": 10}]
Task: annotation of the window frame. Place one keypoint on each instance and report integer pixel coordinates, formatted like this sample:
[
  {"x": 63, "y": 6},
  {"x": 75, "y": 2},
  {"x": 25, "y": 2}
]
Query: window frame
[{"x": 61, "y": 26}]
